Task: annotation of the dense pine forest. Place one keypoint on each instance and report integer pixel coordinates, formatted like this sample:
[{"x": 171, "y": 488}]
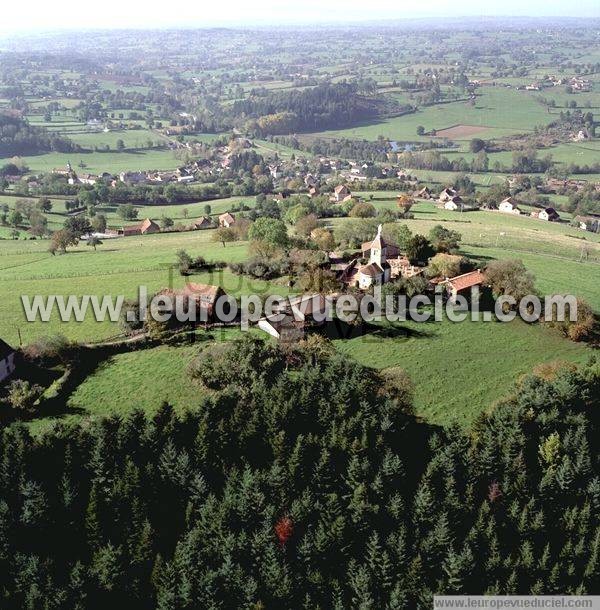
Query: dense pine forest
[{"x": 304, "y": 481}]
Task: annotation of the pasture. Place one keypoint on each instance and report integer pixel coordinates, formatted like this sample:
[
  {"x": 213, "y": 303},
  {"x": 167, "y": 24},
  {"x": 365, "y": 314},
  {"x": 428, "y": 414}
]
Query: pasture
[{"x": 497, "y": 111}]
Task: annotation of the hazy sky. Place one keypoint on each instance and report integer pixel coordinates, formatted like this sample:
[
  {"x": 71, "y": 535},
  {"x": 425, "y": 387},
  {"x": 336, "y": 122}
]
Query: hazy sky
[{"x": 50, "y": 14}]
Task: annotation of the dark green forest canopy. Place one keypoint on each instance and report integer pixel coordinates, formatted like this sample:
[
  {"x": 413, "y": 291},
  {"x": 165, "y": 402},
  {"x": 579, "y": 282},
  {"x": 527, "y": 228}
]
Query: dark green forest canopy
[
  {"x": 324, "y": 107},
  {"x": 304, "y": 485},
  {"x": 18, "y": 137}
]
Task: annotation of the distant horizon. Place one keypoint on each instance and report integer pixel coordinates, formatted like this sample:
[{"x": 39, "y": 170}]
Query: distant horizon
[{"x": 138, "y": 15}]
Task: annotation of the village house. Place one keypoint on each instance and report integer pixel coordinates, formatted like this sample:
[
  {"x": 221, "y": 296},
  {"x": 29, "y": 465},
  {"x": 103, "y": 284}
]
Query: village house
[
  {"x": 310, "y": 180},
  {"x": 276, "y": 171},
  {"x": 341, "y": 193},
  {"x": 133, "y": 177},
  {"x": 447, "y": 194},
  {"x": 202, "y": 223},
  {"x": 549, "y": 215},
  {"x": 313, "y": 192},
  {"x": 588, "y": 223},
  {"x": 7, "y": 360},
  {"x": 402, "y": 267},
  {"x": 203, "y": 296},
  {"x": 454, "y": 204},
  {"x": 226, "y": 220},
  {"x": 463, "y": 283},
  {"x": 143, "y": 228},
  {"x": 424, "y": 193},
  {"x": 509, "y": 206}
]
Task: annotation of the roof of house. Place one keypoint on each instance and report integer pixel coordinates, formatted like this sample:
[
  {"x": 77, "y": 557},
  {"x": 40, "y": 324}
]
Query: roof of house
[
  {"x": 148, "y": 224},
  {"x": 202, "y": 221},
  {"x": 512, "y": 201},
  {"x": 340, "y": 188},
  {"x": 227, "y": 217},
  {"x": 5, "y": 350},
  {"x": 205, "y": 293},
  {"x": 551, "y": 212},
  {"x": 466, "y": 280},
  {"x": 131, "y": 229},
  {"x": 281, "y": 323},
  {"x": 372, "y": 270},
  {"x": 448, "y": 191}
]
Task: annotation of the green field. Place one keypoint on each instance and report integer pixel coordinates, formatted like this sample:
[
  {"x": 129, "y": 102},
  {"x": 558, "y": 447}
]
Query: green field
[
  {"x": 117, "y": 268},
  {"x": 459, "y": 369},
  {"x": 98, "y": 162},
  {"x": 498, "y": 111}
]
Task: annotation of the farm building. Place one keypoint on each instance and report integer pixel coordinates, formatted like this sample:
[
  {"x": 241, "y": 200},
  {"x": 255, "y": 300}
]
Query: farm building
[
  {"x": 401, "y": 267},
  {"x": 549, "y": 214},
  {"x": 341, "y": 193},
  {"x": 305, "y": 307},
  {"x": 588, "y": 223},
  {"x": 226, "y": 220},
  {"x": 454, "y": 204},
  {"x": 202, "y": 223},
  {"x": 509, "y": 206},
  {"x": 283, "y": 327},
  {"x": 7, "y": 360},
  {"x": 447, "y": 195},
  {"x": 424, "y": 193},
  {"x": 143, "y": 228},
  {"x": 462, "y": 283},
  {"x": 203, "y": 296}
]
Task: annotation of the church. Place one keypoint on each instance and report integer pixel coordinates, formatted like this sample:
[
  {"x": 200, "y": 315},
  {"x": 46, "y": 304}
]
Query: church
[{"x": 377, "y": 271}]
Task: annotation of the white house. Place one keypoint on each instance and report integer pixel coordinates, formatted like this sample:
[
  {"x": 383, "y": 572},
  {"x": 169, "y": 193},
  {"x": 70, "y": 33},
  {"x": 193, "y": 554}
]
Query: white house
[
  {"x": 549, "y": 214},
  {"x": 7, "y": 360},
  {"x": 454, "y": 204},
  {"x": 509, "y": 206}
]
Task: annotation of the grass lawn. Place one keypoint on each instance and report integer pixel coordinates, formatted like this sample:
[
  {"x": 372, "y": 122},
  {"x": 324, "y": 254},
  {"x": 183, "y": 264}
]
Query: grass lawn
[
  {"x": 155, "y": 375},
  {"x": 460, "y": 369}
]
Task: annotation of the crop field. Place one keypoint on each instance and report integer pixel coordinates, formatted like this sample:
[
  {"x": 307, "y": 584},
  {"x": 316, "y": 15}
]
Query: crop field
[{"x": 460, "y": 132}]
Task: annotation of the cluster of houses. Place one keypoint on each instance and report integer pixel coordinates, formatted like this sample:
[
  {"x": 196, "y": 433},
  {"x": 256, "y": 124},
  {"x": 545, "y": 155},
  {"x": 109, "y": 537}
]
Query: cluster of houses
[
  {"x": 577, "y": 84},
  {"x": 149, "y": 226},
  {"x": 511, "y": 206}
]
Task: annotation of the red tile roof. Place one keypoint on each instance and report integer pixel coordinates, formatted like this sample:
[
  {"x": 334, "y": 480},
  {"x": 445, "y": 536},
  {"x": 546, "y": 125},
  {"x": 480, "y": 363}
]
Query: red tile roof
[{"x": 466, "y": 280}]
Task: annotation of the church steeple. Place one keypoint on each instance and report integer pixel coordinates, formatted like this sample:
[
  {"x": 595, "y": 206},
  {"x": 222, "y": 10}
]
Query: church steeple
[{"x": 378, "y": 249}]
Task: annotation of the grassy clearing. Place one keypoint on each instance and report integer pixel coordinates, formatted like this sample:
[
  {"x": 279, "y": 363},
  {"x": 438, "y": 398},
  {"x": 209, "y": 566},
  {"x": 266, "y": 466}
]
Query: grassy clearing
[
  {"x": 461, "y": 369},
  {"x": 142, "y": 379},
  {"x": 458, "y": 369}
]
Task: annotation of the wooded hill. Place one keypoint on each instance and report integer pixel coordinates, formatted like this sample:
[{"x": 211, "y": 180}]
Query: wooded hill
[
  {"x": 18, "y": 137},
  {"x": 304, "y": 483},
  {"x": 312, "y": 109}
]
